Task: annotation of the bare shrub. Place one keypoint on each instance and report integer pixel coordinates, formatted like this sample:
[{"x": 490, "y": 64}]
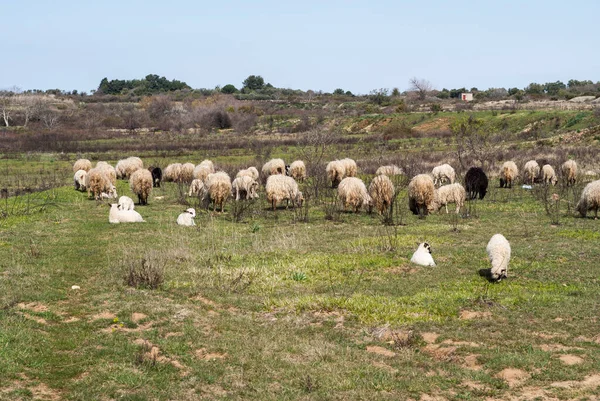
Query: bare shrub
[{"x": 147, "y": 273}]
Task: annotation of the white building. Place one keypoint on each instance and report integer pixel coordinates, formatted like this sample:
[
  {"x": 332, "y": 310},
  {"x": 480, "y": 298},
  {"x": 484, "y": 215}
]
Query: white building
[{"x": 467, "y": 97}]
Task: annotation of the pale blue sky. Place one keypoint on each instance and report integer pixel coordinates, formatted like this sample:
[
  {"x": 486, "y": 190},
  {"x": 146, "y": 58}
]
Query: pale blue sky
[{"x": 318, "y": 45}]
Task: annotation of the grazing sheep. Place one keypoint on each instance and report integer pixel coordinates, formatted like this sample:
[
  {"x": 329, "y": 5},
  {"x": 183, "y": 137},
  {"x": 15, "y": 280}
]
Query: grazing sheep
[
  {"x": 196, "y": 187},
  {"x": 548, "y": 175},
  {"x": 569, "y": 172},
  {"x": 389, "y": 170},
  {"x": 272, "y": 167},
  {"x": 187, "y": 218},
  {"x": 336, "y": 171},
  {"x": 350, "y": 167},
  {"x": 531, "y": 171},
  {"x": 125, "y": 203},
  {"x": 453, "y": 193},
  {"x": 421, "y": 192},
  {"x": 110, "y": 171},
  {"x": 296, "y": 170},
  {"x": 82, "y": 164},
  {"x": 156, "y": 176},
  {"x": 79, "y": 180},
  {"x": 245, "y": 187},
  {"x": 508, "y": 174},
  {"x": 422, "y": 255},
  {"x": 251, "y": 172},
  {"x": 97, "y": 182},
  {"x": 186, "y": 174},
  {"x": 381, "y": 191},
  {"x": 126, "y": 167},
  {"x": 218, "y": 189},
  {"x": 590, "y": 199},
  {"x": 498, "y": 250},
  {"x": 117, "y": 215},
  {"x": 140, "y": 184},
  {"x": 172, "y": 172},
  {"x": 476, "y": 183},
  {"x": 443, "y": 173},
  {"x": 353, "y": 192},
  {"x": 282, "y": 187}
]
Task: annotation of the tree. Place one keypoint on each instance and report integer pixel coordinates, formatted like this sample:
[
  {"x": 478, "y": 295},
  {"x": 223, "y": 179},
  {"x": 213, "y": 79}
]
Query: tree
[
  {"x": 395, "y": 92},
  {"x": 229, "y": 89},
  {"x": 254, "y": 82},
  {"x": 552, "y": 88},
  {"x": 6, "y": 101},
  {"x": 338, "y": 91},
  {"x": 421, "y": 86},
  {"x": 534, "y": 89}
]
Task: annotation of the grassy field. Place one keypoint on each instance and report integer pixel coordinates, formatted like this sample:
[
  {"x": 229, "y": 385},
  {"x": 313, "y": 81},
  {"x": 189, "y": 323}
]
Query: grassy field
[{"x": 301, "y": 304}]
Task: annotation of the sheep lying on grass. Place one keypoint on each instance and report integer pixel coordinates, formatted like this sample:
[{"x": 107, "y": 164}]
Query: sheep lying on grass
[
  {"x": 140, "y": 184},
  {"x": 280, "y": 188},
  {"x": 569, "y": 172},
  {"x": 476, "y": 183},
  {"x": 296, "y": 170},
  {"x": 498, "y": 250},
  {"x": 442, "y": 174},
  {"x": 353, "y": 192},
  {"x": 590, "y": 199},
  {"x": 82, "y": 164},
  {"x": 389, "y": 170},
  {"x": 381, "y": 191},
  {"x": 125, "y": 203},
  {"x": 116, "y": 215},
  {"x": 422, "y": 255},
  {"x": 508, "y": 173},
  {"x": 548, "y": 175},
  {"x": 187, "y": 218},
  {"x": 244, "y": 187},
  {"x": 251, "y": 172},
  {"x": 453, "y": 193},
  {"x": 531, "y": 171},
  {"x": 79, "y": 180},
  {"x": 421, "y": 192}
]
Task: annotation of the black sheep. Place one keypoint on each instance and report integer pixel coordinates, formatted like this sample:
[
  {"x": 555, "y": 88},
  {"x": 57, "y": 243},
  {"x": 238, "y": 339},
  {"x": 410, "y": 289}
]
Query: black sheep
[
  {"x": 476, "y": 182},
  {"x": 156, "y": 176}
]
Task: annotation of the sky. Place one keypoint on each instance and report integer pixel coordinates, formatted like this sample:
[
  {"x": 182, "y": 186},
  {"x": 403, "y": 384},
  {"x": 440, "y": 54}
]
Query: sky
[{"x": 319, "y": 45}]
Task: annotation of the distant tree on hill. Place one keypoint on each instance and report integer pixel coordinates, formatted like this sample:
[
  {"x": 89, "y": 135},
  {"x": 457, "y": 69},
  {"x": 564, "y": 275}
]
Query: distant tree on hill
[
  {"x": 229, "y": 88},
  {"x": 151, "y": 84},
  {"x": 534, "y": 89},
  {"x": 421, "y": 86},
  {"x": 552, "y": 88},
  {"x": 338, "y": 91},
  {"x": 254, "y": 82}
]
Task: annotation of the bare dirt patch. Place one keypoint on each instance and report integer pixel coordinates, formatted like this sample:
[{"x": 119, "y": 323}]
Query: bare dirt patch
[
  {"x": 440, "y": 353},
  {"x": 473, "y": 385},
  {"x": 104, "y": 315},
  {"x": 137, "y": 317},
  {"x": 430, "y": 338},
  {"x": 471, "y": 362},
  {"x": 513, "y": 377},
  {"x": 375, "y": 349},
  {"x": 205, "y": 301},
  {"x": 557, "y": 348},
  {"x": 209, "y": 356},
  {"x": 592, "y": 381},
  {"x": 33, "y": 306},
  {"x": 570, "y": 360},
  {"x": 470, "y": 315},
  {"x": 385, "y": 367},
  {"x": 460, "y": 343}
]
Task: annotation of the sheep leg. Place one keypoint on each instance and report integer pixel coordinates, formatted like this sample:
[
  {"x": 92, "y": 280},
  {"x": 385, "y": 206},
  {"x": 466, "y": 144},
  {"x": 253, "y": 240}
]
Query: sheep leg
[{"x": 446, "y": 206}]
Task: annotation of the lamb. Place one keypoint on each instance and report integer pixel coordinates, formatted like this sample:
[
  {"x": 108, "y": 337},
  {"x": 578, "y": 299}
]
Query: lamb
[
  {"x": 280, "y": 188},
  {"x": 172, "y": 172},
  {"x": 590, "y": 199},
  {"x": 156, "y": 176},
  {"x": 218, "y": 189},
  {"x": 476, "y": 183},
  {"x": 548, "y": 175},
  {"x": 82, "y": 164},
  {"x": 97, "y": 182},
  {"x": 508, "y": 174},
  {"x": 125, "y": 203},
  {"x": 381, "y": 191},
  {"x": 443, "y": 173},
  {"x": 79, "y": 180},
  {"x": 116, "y": 215},
  {"x": 350, "y": 167},
  {"x": 531, "y": 171},
  {"x": 453, "y": 193},
  {"x": 421, "y": 192},
  {"x": 336, "y": 171},
  {"x": 498, "y": 250},
  {"x": 196, "y": 187},
  {"x": 296, "y": 170},
  {"x": 389, "y": 170},
  {"x": 109, "y": 170},
  {"x": 111, "y": 194},
  {"x": 273, "y": 166},
  {"x": 187, "y": 218},
  {"x": 569, "y": 172},
  {"x": 245, "y": 187},
  {"x": 126, "y": 167},
  {"x": 140, "y": 184},
  {"x": 422, "y": 255},
  {"x": 186, "y": 174},
  {"x": 251, "y": 172},
  {"x": 353, "y": 192}
]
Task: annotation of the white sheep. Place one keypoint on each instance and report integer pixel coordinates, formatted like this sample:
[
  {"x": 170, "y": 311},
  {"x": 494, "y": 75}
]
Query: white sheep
[
  {"x": 251, "y": 172},
  {"x": 187, "y": 218},
  {"x": 421, "y": 193},
  {"x": 111, "y": 194},
  {"x": 569, "y": 172},
  {"x": 422, "y": 255},
  {"x": 218, "y": 189},
  {"x": 336, "y": 172},
  {"x": 443, "y": 173},
  {"x": 590, "y": 199},
  {"x": 282, "y": 187},
  {"x": 297, "y": 170},
  {"x": 125, "y": 203},
  {"x": 116, "y": 215},
  {"x": 389, "y": 170},
  {"x": 548, "y": 175},
  {"x": 508, "y": 173},
  {"x": 172, "y": 172},
  {"x": 381, "y": 191},
  {"x": 140, "y": 184},
  {"x": 126, "y": 167},
  {"x": 353, "y": 192},
  {"x": 98, "y": 182},
  {"x": 350, "y": 167},
  {"x": 109, "y": 170},
  {"x": 273, "y": 166},
  {"x": 79, "y": 180},
  {"x": 82, "y": 164},
  {"x": 453, "y": 193},
  {"x": 244, "y": 187},
  {"x": 196, "y": 187},
  {"x": 498, "y": 250},
  {"x": 531, "y": 171}
]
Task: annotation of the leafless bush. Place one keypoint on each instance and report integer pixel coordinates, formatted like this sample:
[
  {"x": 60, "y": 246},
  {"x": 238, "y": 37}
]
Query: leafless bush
[{"x": 146, "y": 273}]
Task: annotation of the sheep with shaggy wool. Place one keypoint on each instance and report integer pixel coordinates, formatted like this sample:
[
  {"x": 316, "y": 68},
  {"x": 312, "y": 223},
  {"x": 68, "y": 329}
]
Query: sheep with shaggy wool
[
  {"x": 476, "y": 183},
  {"x": 531, "y": 171},
  {"x": 272, "y": 167},
  {"x": 282, "y": 187},
  {"x": 421, "y": 193},
  {"x": 443, "y": 173},
  {"x": 156, "y": 176},
  {"x": 79, "y": 180},
  {"x": 453, "y": 193},
  {"x": 244, "y": 187},
  {"x": 569, "y": 172},
  {"x": 196, "y": 187},
  {"x": 187, "y": 218},
  {"x": 251, "y": 172},
  {"x": 97, "y": 182},
  {"x": 548, "y": 175},
  {"x": 172, "y": 172},
  {"x": 218, "y": 189},
  {"x": 352, "y": 192},
  {"x": 508, "y": 174},
  {"x": 422, "y": 255},
  {"x": 82, "y": 164},
  {"x": 350, "y": 167},
  {"x": 116, "y": 215},
  {"x": 336, "y": 172},
  {"x": 109, "y": 171},
  {"x": 126, "y": 167},
  {"x": 590, "y": 199},
  {"x": 111, "y": 194},
  {"x": 381, "y": 191},
  {"x": 140, "y": 184},
  {"x": 389, "y": 170},
  {"x": 186, "y": 174},
  {"x": 296, "y": 170},
  {"x": 125, "y": 203},
  {"x": 498, "y": 250}
]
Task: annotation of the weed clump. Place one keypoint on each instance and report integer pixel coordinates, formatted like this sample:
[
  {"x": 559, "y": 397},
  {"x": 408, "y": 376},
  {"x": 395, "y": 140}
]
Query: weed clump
[{"x": 147, "y": 273}]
